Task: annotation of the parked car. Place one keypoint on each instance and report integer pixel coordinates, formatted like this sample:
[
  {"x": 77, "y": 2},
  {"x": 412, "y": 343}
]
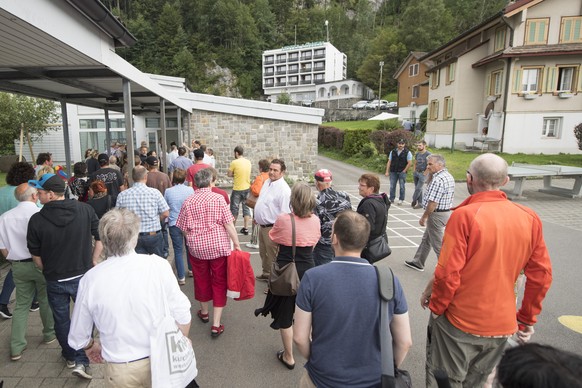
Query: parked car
[
  {"x": 377, "y": 104},
  {"x": 390, "y": 105},
  {"x": 307, "y": 102},
  {"x": 360, "y": 104}
]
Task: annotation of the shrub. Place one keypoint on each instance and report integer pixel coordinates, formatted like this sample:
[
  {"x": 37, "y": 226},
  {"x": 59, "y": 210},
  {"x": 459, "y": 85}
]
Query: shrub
[
  {"x": 379, "y": 139},
  {"x": 422, "y": 120},
  {"x": 578, "y": 134},
  {"x": 333, "y": 138},
  {"x": 389, "y": 125},
  {"x": 284, "y": 98},
  {"x": 368, "y": 150},
  {"x": 393, "y": 137},
  {"x": 355, "y": 140}
]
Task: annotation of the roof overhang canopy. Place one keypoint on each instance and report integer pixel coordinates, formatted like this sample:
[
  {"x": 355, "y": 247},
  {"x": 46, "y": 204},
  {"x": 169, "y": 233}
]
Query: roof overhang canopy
[{"x": 57, "y": 51}]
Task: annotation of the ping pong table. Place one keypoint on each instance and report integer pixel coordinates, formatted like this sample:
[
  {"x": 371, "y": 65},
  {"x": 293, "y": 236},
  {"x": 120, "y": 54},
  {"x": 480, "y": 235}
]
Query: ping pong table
[{"x": 519, "y": 172}]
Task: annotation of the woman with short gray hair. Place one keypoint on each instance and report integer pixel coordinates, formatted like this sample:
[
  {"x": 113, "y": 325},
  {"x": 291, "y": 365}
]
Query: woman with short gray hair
[{"x": 207, "y": 223}]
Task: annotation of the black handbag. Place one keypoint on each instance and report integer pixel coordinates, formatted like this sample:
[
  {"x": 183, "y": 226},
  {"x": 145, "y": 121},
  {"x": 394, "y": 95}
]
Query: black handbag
[
  {"x": 377, "y": 249},
  {"x": 284, "y": 281}
]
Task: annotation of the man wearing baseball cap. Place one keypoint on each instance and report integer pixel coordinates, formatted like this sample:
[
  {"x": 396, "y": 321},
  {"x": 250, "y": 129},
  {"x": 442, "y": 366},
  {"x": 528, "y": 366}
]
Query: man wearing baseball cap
[
  {"x": 399, "y": 161},
  {"x": 59, "y": 238},
  {"x": 329, "y": 204},
  {"x": 111, "y": 177}
]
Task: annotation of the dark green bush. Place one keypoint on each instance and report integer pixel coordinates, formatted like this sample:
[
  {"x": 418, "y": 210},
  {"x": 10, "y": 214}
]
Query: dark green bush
[
  {"x": 578, "y": 134},
  {"x": 379, "y": 138},
  {"x": 368, "y": 150},
  {"x": 422, "y": 120},
  {"x": 333, "y": 138},
  {"x": 393, "y": 137},
  {"x": 355, "y": 140}
]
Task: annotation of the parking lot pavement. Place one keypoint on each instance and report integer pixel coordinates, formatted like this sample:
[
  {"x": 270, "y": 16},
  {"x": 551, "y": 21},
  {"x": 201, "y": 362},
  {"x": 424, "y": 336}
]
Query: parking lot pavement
[{"x": 244, "y": 356}]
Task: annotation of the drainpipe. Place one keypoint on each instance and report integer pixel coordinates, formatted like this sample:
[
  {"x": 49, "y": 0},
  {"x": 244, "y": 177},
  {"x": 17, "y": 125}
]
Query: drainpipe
[{"x": 507, "y": 77}]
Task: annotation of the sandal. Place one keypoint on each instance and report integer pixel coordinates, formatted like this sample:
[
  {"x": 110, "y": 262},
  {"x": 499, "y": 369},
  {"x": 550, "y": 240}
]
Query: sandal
[
  {"x": 216, "y": 331},
  {"x": 280, "y": 358},
  {"x": 203, "y": 317}
]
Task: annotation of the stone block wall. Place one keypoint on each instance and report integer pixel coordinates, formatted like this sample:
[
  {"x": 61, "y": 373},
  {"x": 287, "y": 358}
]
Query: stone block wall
[{"x": 295, "y": 143}]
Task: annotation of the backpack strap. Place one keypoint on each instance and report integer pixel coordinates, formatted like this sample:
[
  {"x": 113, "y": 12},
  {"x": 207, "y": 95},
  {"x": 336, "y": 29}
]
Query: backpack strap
[{"x": 386, "y": 290}]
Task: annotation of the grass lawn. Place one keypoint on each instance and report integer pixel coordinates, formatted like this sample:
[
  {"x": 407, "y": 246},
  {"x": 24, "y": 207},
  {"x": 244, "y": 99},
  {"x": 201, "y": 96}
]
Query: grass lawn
[
  {"x": 362, "y": 124},
  {"x": 457, "y": 162}
]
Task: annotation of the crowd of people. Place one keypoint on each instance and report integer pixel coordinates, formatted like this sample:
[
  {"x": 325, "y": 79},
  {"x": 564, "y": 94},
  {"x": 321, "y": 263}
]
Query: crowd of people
[{"x": 105, "y": 232}]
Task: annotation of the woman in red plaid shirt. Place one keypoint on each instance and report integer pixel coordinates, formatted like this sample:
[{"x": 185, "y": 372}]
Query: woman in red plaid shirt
[{"x": 207, "y": 223}]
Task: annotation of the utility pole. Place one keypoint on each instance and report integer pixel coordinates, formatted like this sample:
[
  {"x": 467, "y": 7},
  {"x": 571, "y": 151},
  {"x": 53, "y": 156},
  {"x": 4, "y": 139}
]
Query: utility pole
[{"x": 380, "y": 85}]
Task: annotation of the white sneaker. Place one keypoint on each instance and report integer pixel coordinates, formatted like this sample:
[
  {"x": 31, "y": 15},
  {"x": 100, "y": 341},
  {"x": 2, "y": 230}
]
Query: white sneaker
[
  {"x": 82, "y": 371},
  {"x": 399, "y": 203},
  {"x": 254, "y": 246}
]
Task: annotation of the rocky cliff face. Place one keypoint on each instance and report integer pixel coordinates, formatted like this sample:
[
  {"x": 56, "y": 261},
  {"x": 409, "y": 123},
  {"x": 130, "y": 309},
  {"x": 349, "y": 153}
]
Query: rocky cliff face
[{"x": 224, "y": 81}]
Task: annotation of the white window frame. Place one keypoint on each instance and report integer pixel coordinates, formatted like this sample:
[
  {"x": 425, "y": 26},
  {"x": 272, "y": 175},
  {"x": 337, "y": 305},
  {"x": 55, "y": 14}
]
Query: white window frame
[
  {"x": 552, "y": 127},
  {"x": 526, "y": 85},
  {"x": 415, "y": 91},
  {"x": 572, "y": 79},
  {"x": 413, "y": 70}
]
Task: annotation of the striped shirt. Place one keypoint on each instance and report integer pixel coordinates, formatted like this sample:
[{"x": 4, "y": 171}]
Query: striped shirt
[{"x": 441, "y": 190}]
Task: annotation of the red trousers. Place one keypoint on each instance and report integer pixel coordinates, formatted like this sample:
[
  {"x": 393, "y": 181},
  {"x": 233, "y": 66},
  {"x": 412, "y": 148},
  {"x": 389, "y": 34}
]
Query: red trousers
[{"x": 209, "y": 280}]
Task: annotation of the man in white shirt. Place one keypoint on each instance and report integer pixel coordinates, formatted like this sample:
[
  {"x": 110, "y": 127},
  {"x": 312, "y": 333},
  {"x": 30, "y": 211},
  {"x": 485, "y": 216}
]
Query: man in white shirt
[
  {"x": 273, "y": 200},
  {"x": 125, "y": 324},
  {"x": 27, "y": 277}
]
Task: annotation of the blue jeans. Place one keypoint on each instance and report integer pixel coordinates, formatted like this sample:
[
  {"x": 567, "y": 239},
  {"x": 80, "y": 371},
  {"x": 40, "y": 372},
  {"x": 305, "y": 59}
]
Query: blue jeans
[
  {"x": 59, "y": 298},
  {"x": 7, "y": 288},
  {"x": 419, "y": 179},
  {"x": 322, "y": 254},
  {"x": 236, "y": 198},
  {"x": 166, "y": 240},
  {"x": 401, "y": 178},
  {"x": 149, "y": 245},
  {"x": 178, "y": 244}
]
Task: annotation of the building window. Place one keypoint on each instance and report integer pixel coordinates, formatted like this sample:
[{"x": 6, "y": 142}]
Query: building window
[
  {"x": 567, "y": 78},
  {"x": 536, "y": 31},
  {"x": 551, "y": 128},
  {"x": 413, "y": 70},
  {"x": 435, "y": 79},
  {"x": 448, "y": 108},
  {"x": 434, "y": 110},
  {"x": 451, "y": 72},
  {"x": 528, "y": 80},
  {"x": 415, "y": 91},
  {"x": 571, "y": 30},
  {"x": 495, "y": 83},
  {"x": 499, "y": 39}
]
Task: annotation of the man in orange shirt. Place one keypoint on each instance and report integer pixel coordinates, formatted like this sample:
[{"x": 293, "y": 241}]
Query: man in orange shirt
[{"x": 488, "y": 241}]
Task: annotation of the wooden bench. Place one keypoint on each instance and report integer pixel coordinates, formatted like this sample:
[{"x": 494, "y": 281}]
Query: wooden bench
[{"x": 519, "y": 172}]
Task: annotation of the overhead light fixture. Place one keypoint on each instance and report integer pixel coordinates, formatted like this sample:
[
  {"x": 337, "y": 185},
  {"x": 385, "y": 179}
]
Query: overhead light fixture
[{"x": 111, "y": 99}]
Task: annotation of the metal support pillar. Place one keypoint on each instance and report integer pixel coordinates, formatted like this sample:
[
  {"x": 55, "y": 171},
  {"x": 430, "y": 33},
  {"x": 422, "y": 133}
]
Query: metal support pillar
[
  {"x": 130, "y": 145},
  {"x": 65, "y": 121}
]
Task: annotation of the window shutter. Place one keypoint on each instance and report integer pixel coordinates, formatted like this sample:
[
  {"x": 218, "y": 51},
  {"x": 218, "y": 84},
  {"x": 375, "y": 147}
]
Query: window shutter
[
  {"x": 488, "y": 85},
  {"x": 517, "y": 81},
  {"x": 579, "y": 88},
  {"x": 551, "y": 80}
]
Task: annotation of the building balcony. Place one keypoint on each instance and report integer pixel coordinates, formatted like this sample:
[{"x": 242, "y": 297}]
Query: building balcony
[
  {"x": 305, "y": 82},
  {"x": 281, "y": 60},
  {"x": 269, "y": 61},
  {"x": 319, "y": 68},
  {"x": 293, "y": 59},
  {"x": 293, "y": 71},
  {"x": 318, "y": 81},
  {"x": 317, "y": 56},
  {"x": 283, "y": 72},
  {"x": 293, "y": 83},
  {"x": 281, "y": 84},
  {"x": 269, "y": 73},
  {"x": 306, "y": 58},
  {"x": 308, "y": 70},
  {"x": 269, "y": 85}
]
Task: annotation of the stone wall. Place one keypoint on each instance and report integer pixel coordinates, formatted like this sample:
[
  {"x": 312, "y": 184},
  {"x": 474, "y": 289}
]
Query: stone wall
[{"x": 294, "y": 142}]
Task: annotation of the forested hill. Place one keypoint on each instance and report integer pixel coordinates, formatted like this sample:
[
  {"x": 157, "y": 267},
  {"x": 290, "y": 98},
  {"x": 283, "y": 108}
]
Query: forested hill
[{"x": 217, "y": 44}]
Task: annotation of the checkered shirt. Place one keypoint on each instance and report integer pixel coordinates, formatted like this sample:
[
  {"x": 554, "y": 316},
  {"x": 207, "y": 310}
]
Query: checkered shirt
[
  {"x": 146, "y": 202},
  {"x": 202, "y": 218},
  {"x": 441, "y": 190}
]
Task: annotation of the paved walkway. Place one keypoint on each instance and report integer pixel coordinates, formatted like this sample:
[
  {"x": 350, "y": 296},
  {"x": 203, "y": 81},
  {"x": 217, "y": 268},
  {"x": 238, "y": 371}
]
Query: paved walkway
[{"x": 244, "y": 356}]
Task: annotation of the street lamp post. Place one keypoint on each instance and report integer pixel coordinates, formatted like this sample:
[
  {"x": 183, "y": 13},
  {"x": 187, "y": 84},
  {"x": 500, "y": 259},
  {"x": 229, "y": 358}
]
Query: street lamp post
[
  {"x": 327, "y": 30},
  {"x": 380, "y": 85}
]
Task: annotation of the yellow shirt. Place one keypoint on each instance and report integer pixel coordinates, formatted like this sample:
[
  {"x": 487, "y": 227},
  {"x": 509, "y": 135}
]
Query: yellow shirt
[{"x": 241, "y": 171}]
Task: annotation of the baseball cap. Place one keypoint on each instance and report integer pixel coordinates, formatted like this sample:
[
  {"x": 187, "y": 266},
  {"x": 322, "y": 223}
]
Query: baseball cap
[
  {"x": 49, "y": 182},
  {"x": 102, "y": 158},
  {"x": 323, "y": 175},
  {"x": 401, "y": 141},
  {"x": 152, "y": 160}
]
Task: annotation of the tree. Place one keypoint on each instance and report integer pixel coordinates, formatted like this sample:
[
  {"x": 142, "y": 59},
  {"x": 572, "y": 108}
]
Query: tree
[
  {"x": 284, "y": 98},
  {"x": 578, "y": 135},
  {"x": 31, "y": 114},
  {"x": 384, "y": 48},
  {"x": 426, "y": 25}
]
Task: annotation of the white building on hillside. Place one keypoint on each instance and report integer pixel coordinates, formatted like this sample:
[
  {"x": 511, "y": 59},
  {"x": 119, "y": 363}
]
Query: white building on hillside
[{"x": 297, "y": 69}]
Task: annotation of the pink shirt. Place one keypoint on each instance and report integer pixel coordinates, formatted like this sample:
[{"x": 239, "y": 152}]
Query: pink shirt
[{"x": 307, "y": 231}]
